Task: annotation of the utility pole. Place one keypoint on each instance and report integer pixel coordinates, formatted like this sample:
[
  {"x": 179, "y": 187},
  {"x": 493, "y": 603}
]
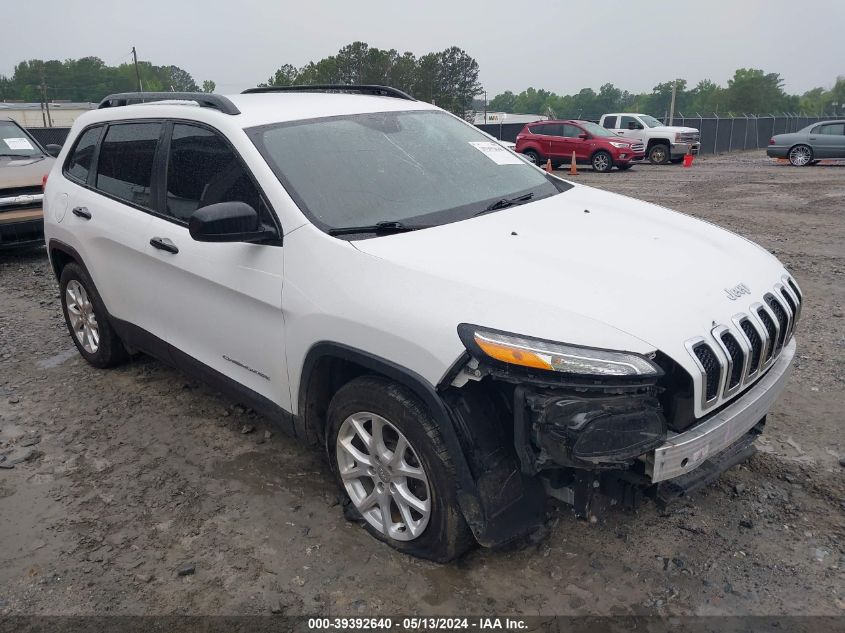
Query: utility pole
[
  {"x": 49, "y": 121},
  {"x": 137, "y": 72},
  {"x": 672, "y": 103}
]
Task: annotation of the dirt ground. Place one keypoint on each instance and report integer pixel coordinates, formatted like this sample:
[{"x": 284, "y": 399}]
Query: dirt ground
[{"x": 147, "y": 493}]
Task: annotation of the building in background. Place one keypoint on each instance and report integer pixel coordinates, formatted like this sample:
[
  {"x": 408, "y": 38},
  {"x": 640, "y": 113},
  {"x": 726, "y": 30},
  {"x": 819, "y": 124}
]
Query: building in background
[
  {"x": 33, "y": 115},
  {"x": 494, "y": 118}
]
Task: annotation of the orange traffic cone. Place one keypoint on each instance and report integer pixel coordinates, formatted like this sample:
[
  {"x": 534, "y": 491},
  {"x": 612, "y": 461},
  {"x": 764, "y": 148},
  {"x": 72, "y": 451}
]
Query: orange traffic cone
[
  {"x": 549, "y": 165},
  {"x": 573, "y": 166},
  {"x": 688, "y": 159}
]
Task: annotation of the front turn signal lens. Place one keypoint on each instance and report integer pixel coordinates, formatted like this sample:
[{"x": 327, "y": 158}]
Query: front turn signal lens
[{"x": 564, "y": 358}]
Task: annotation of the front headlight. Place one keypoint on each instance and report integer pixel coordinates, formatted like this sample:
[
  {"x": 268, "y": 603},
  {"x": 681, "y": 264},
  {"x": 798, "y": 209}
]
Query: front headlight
[
  {"x": 535, "y": 353},
  {"x": 620, "y": 145}
]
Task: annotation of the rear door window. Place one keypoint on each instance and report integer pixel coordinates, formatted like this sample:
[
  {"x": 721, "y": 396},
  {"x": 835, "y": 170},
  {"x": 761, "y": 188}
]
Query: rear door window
[
  {"x": 78, "y": 165},
  {"x": 610, "y": 122},
  {"x": 572, "y": 131},
  {"x": 125, "y": 164},
  {"x": 835, "y": 129}
]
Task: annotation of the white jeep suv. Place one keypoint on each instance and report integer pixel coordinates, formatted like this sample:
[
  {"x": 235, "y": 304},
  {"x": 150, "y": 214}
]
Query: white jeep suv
[{"x": 463, "y": 333}]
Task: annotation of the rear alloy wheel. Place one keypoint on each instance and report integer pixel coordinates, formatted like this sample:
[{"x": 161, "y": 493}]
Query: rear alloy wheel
[
  {"x": 602, "y": 162},
  {"x": 800, "y": 155},
  {"x": 87, "y": 319},
  {"x": 394, "y": 470},
  {"x": 659, "y": 154},
  {"x": 533, "y": 156}
]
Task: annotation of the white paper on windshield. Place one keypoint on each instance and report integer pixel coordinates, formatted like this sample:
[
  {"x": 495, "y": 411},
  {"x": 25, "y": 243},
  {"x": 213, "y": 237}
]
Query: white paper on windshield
[
  {"x": 497, "y": 153},
  {"x": 18, "y": 143}
]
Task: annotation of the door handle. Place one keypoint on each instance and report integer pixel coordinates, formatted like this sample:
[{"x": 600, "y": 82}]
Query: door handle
[
  {"x": 81, "y": 212},
  {"x": 812, "y": 138},
  {"x": 164, "y": 244}
]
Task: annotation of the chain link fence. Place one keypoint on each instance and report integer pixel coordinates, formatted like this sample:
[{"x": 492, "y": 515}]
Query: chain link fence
[
  {"x": 49, "y": 135},
  {"x": 718, "y": 134}
]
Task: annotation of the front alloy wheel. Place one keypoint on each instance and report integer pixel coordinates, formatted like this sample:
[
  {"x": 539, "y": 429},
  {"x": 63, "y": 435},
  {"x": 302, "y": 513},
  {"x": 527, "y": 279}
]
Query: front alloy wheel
[
  {"x": 383, "y": 476},
  {"x": 393, "y": 469}
]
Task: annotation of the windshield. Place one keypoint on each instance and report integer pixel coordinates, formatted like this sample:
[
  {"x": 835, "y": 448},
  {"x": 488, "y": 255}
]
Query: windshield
[
  {"x": 596, "y": 130},
  {"x": 419, "y": 168},
  {"x": 15, "y": 142},
  {"x": 650, "y": 121}
]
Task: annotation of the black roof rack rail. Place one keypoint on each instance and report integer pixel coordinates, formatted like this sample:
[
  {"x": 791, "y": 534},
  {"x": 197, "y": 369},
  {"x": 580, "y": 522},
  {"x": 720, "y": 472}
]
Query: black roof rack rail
[
  {"x": 367, "y": 89},
  {"x": 203, "y": 99}
]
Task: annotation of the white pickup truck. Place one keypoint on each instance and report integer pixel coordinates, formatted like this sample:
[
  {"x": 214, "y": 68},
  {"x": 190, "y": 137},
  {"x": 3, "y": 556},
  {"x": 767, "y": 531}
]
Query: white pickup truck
[{"x": 663, "y": 143}]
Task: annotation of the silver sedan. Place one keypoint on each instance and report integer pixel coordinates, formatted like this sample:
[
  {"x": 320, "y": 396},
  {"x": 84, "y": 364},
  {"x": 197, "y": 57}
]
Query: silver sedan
[{"x": 813, "y": 143}]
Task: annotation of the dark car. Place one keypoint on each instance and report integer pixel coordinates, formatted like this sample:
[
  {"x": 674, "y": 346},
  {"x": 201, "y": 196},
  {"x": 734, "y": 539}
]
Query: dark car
[
  {"x": 592, "y": 144},
  {"x": 810, "y": 145},
  {"x": 23, "y": 165}
]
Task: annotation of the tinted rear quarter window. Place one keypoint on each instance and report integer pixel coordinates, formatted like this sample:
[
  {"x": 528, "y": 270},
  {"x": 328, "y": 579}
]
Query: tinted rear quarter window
[
  {"x": 125, "y": 164},
  {"x": 79, "y": 163}
]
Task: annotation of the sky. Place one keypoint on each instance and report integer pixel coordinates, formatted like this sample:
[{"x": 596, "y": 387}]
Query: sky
[{"x": 561, "y": 46}]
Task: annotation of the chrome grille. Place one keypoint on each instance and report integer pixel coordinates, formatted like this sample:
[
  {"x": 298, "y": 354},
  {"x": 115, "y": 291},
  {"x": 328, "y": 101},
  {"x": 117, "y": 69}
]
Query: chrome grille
[
  {"x": 637, "y": 148},
  {"x": 689, "y": 137},
  {"x": 735, "y": 355}
]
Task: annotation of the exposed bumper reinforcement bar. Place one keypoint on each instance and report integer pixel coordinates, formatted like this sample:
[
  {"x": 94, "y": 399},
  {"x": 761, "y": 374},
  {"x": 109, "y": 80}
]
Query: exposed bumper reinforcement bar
[{"x": 685, "y": 451}]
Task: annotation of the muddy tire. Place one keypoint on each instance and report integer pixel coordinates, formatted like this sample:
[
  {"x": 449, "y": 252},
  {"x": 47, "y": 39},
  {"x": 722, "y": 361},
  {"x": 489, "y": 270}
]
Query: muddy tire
[
  {"x": 87, "y": 319},
  {"x": 394, "y": 471},
  {"x": 658, "y": 154}
]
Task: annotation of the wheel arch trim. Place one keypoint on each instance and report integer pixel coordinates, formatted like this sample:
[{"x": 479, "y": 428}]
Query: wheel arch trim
[{"x": 67, "y": 249}]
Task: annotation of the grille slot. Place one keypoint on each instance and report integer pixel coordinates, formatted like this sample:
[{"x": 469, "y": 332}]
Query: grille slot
[
  {"x": 737, "y": 359},
  {"x": 756, "y": 345},
  {"x": 712, "y": 369},
  {"x": 795, "y": 290},
  {"x": 780, "y": 315},
  {"x": 772, "y": 330}
]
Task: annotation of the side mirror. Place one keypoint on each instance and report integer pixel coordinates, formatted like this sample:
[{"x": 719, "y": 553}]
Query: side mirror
[
  {"x": 228, "y": 222},
  {"x": 632, "y": 125},
  {"x": 583, "y": 136},
  {"x": 53, "y": 149}
]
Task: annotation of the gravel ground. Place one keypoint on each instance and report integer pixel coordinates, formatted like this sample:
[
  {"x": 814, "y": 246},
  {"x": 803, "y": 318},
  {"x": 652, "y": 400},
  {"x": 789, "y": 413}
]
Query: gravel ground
[{"x": 145, "y": 492}]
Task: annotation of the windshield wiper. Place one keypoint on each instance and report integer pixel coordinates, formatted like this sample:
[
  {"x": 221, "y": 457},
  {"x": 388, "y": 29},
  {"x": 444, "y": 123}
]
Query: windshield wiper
[
  {"x": 504, "y": 203},
  {"x": 380, "y": 228}
]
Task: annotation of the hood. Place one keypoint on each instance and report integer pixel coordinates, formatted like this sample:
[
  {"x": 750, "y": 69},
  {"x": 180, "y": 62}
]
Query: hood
[
  {"x": 671, "y": 129},
  {"x": 24, "y": 171},
  {"x": 552, "y": 268}
]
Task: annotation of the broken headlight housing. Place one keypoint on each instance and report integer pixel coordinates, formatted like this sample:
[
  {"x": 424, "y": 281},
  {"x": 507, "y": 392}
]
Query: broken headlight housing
[{"x": 533, "y": 353}]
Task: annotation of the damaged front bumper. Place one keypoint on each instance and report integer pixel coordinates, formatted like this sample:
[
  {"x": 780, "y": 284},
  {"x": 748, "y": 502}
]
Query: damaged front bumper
[{"x": 685, "y": 451}]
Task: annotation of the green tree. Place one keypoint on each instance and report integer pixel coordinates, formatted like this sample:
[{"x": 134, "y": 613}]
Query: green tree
[
  {"x": 287, "y": 75},
  {"x": 753, "y": 90},
  {"x": 208, "y": 86},
  {"x": 504, "y": 102}
]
